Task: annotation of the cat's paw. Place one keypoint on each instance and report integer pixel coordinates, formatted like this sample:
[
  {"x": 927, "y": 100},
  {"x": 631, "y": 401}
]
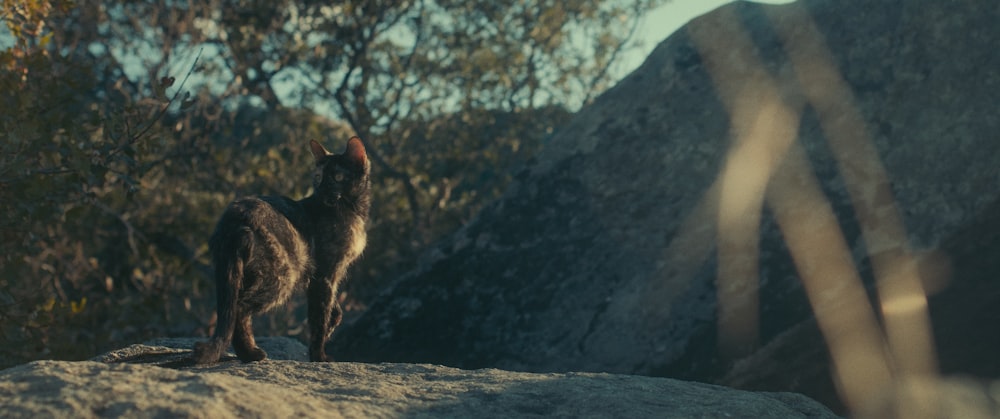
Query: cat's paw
[
  {"x": 252, "y": 354},
  {"x": 319, "y": 356},
  {"x": 205, "y": 353}
]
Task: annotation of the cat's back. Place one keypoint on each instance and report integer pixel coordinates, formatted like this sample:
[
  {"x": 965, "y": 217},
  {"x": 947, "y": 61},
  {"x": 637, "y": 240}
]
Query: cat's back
[
  {"x": 258, "y": 238},
  {"x": 264, "y": 210},
  {"x": 274, "y": 217}
]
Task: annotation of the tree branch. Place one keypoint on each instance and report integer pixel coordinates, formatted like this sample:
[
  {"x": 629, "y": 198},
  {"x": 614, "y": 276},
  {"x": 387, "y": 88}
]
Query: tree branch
[{"x": 614, "y": 54}]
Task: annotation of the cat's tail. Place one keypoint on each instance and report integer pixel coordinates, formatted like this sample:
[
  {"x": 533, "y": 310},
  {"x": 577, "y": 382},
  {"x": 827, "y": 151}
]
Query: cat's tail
[{"x": 230, "y": 255}]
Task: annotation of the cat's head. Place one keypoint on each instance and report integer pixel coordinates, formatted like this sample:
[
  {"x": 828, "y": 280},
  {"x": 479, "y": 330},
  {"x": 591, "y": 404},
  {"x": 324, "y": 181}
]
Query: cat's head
[{"x": 342, "y": 179}]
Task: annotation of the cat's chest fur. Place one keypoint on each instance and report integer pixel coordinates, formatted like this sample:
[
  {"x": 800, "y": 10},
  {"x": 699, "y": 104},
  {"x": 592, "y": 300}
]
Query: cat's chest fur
[{"x": 336, "y": 239}]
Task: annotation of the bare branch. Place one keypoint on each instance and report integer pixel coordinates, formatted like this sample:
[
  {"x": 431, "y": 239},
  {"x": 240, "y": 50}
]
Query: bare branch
[{"x": 603, "y": 72}]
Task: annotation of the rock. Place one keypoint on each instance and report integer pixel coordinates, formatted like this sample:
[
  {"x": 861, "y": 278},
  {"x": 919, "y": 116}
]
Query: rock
[
  {"x": 292, "y": 388},
  {"x": 602, "y": 255},
  {"x": 963, "y": 318}
]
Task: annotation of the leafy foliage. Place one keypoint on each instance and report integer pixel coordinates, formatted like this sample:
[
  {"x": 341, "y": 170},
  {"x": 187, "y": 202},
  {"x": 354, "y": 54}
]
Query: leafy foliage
[{"x": 132, "y": 123}]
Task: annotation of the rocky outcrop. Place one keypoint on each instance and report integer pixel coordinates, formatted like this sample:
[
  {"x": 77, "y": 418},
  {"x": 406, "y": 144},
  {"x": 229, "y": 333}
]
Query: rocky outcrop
[
  {"x": 603, "y": 254},
  {"x": 132, "y": 383}
]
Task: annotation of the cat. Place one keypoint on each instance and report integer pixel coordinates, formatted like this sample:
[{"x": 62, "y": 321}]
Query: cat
[{"x": 264, "y": 246}]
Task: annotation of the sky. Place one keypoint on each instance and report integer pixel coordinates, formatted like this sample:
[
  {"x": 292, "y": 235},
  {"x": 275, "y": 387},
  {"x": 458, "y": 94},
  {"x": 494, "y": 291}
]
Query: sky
[{"x": 656, "y": 26}]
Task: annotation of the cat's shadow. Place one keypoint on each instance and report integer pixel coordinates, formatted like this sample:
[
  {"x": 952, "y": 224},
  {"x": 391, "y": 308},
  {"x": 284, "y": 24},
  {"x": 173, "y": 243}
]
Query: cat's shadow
[
  {"x": 172, "y": 360},
  {"x": 175, "y": 353}
]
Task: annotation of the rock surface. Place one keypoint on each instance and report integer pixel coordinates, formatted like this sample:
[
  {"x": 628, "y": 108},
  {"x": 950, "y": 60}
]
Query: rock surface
[
  {"x": 602, "y": 255},
  {"x": 111, "y": 386}
]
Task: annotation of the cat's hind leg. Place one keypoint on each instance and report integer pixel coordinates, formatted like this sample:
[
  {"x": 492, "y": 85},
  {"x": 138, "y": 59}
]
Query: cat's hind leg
[
  {"x": 228, "y": 280},
  {"x": 210, "y": 352},
  {"x": 243, "y": 342}
]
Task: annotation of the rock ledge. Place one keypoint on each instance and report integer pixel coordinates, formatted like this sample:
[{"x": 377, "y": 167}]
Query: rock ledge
[{"x": 132, "y": 382}]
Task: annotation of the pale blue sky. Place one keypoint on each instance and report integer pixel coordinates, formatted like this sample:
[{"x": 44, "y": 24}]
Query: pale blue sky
[{"x": 653, "y": 29}]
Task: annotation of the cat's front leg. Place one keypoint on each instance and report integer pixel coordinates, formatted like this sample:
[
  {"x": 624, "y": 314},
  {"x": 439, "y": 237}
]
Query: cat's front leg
[{"x": 321, "y": 306}]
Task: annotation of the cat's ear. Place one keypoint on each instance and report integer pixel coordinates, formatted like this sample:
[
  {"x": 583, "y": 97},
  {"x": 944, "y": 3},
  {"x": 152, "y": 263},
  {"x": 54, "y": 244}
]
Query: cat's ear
[
  {"x": 319, "y": 152},
  {"x": 355, "y": 153}
]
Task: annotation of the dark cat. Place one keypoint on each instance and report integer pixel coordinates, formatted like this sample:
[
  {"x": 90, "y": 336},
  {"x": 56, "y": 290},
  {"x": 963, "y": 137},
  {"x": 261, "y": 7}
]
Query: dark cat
[{"x": 264, "y": 246}]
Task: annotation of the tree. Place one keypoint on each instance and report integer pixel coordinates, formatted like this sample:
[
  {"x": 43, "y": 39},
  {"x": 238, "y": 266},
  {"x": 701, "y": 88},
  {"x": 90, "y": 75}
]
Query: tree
[
  {"x": 66, "y": 155},
  {"x": 379, "y": 65},
  {"x": 125, "y": 180}
]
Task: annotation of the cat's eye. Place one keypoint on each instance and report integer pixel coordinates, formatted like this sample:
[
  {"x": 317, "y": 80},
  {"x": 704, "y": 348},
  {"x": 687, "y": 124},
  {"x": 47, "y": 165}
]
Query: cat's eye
[{"x": 339, "y": 177}]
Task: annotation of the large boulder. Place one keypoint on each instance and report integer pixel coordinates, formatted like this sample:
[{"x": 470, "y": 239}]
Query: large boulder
[
  {"x": 602, "y": 255},
  {"x": 132, "y": 382}
]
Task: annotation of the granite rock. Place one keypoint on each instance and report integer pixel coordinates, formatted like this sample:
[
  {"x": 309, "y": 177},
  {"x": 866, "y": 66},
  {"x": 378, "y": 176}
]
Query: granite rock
[
  {"x": 602, "y": 256},
  {"x": 133, "y": 383}
]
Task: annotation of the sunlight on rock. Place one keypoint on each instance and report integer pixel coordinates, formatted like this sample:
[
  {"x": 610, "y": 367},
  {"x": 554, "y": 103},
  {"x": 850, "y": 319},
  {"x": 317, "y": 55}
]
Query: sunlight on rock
[
  {"x": 764, "y": 129},
  {"x": 908, "y": 331}
]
